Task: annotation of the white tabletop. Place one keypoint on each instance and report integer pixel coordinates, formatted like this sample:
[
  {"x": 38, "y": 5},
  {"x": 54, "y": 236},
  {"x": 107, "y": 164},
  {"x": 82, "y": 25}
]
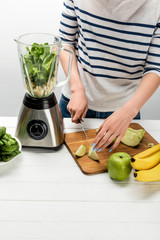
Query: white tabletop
[{"x": 45, "y": 196}]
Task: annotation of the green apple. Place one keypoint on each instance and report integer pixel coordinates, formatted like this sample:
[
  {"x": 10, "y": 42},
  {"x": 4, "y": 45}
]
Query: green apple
[
  {"x": 119, "y": 166},
  {"x": 132, "y": 137}
]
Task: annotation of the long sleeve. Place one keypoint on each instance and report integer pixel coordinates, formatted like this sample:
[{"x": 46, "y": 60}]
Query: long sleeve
[
  {"x": 113, "y": 49},
  {"x": 153, "y": 58},
  {"x": 68, "y": 26}
]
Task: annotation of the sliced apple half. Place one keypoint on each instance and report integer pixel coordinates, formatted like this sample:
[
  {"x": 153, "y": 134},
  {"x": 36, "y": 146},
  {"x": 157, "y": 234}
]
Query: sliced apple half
[{"x": 133, "y": 137}]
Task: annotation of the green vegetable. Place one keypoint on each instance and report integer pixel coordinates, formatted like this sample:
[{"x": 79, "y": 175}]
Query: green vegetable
[
  {"x": 9, "y": 147},
  {"x": 2, "y": 131},
  {"x": 39, "y": 64},
  {"x": 5, "y": 137},
  {"x": 5, "y": 142},
  {"x": 6, "y": 158}
]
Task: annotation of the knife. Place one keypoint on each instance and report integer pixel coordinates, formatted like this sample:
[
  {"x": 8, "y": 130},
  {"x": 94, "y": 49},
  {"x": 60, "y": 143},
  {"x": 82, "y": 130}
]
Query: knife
[{"x": 82, "y": 126}]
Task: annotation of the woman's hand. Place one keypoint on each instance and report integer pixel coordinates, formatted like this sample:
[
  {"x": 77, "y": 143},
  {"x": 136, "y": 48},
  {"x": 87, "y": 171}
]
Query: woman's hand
[
  {"x": 78, "y": 105},
  {"x": 116, "y": 125},
  {"x": 113, "y": 127}
]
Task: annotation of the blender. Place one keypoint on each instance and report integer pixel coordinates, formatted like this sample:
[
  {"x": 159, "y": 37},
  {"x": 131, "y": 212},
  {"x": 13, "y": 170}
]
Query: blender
[{"x": 40, "y": 122}]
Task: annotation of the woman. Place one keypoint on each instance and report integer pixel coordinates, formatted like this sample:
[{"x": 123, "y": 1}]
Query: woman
[{"x": 116, "y": 63}]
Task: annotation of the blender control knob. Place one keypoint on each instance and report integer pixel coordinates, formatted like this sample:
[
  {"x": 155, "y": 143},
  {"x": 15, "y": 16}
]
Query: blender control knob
[{"x": 37, "y": 129}]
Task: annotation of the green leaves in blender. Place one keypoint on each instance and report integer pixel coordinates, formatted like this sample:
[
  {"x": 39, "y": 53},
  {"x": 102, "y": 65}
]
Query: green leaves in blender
[{"x": 38, "y": 64}]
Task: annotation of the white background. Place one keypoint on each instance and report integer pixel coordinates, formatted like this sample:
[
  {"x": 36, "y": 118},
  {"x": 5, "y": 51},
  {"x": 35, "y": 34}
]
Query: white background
[{"x": 18, "y": 17}]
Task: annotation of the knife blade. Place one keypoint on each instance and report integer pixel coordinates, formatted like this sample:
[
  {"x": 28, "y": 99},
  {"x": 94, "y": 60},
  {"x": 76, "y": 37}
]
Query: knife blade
[{"x": 82, "y": 126}]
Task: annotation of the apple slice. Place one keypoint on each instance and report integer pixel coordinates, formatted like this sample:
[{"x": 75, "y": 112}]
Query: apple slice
[
  {"x": 132, "y": 137},
  {"x": 92, "y": 154}
]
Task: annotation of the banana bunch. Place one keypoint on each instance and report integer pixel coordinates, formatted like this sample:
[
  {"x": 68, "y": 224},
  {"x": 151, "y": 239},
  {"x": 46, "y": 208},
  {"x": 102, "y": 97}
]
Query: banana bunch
[{"x": 147, "y": 165}]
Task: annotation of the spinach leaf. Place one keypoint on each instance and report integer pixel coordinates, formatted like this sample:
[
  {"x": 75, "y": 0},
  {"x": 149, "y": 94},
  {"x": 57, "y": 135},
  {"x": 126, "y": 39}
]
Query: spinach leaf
[
  {"x": 47, "y": 62},
  {"x": 46, "y": 51},
  {"x": 39, "y": 63}
]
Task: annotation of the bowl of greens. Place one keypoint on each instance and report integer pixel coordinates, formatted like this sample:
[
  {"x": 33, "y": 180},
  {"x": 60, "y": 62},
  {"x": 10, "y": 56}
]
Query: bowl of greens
[{"x": 10, "y": 147}]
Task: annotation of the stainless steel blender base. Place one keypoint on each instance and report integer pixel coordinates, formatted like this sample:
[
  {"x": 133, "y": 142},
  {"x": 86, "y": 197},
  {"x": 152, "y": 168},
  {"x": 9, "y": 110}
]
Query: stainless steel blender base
[{"x": 40, "y": 128}]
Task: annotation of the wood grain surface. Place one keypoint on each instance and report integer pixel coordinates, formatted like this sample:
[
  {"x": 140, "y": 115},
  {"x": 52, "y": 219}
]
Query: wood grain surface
[{"x": 89, "y": 166}]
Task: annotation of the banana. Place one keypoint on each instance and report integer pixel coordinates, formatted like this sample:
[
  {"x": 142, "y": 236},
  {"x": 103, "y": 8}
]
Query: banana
[
  {"x": 146, "y": 163},
  {"x": 150, "y": 175},
  {"x": 148, "y": 152},
  {"x": 146, "y": 159}
]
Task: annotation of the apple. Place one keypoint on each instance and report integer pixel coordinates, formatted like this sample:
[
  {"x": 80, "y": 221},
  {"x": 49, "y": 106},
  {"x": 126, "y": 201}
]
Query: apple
[
  {"x": 132, "y": 137},
  {"x": 119, "y": 166}
]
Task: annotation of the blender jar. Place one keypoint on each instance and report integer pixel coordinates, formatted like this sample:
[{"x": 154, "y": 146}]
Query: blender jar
[{"x": 39, "y": 55}]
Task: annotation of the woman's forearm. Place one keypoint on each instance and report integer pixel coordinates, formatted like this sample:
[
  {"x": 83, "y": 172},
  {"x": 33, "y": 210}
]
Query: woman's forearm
[
  {"x": 148, "y": 85},
  {"x": 75, "y": 81},
  {"x": 78, "y": 104},
  {"x": 116, "y": 125}
]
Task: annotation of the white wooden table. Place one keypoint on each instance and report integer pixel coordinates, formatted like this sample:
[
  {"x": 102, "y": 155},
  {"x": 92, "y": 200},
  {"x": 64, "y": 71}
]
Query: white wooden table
[{"x": 45, "y": 196}]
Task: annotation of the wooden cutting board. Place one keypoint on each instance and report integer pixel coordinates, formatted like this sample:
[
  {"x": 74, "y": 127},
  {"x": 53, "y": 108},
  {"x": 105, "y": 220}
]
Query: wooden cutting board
[{"x": 89, "y": 166}]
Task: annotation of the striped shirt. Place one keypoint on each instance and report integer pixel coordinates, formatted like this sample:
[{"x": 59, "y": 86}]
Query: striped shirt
[{"x": 116, "y": 43}]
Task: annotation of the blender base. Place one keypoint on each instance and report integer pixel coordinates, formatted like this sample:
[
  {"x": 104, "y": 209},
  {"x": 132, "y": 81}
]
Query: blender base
[
  {"x": 47, "y": 148},
  {"x": 40, "y": 123}
]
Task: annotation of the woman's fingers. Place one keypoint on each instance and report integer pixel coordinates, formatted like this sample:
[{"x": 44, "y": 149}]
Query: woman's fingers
[
  {"x": 98, "y": 139},
  {"x": 72, "y": 112},
  {"x": 104, "y": 141},
  {"x": 115, "y": 145},
  {"x": 78, "y": 113},
  {"x": 108, "y": 142},
  {"x": 113, "y": 127},
  {"x": 105, "y": 138},
  {"x": 99, "y": 129},
  {"x": 77, "y": 116},
  {"x": 78, "y": 105}
]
